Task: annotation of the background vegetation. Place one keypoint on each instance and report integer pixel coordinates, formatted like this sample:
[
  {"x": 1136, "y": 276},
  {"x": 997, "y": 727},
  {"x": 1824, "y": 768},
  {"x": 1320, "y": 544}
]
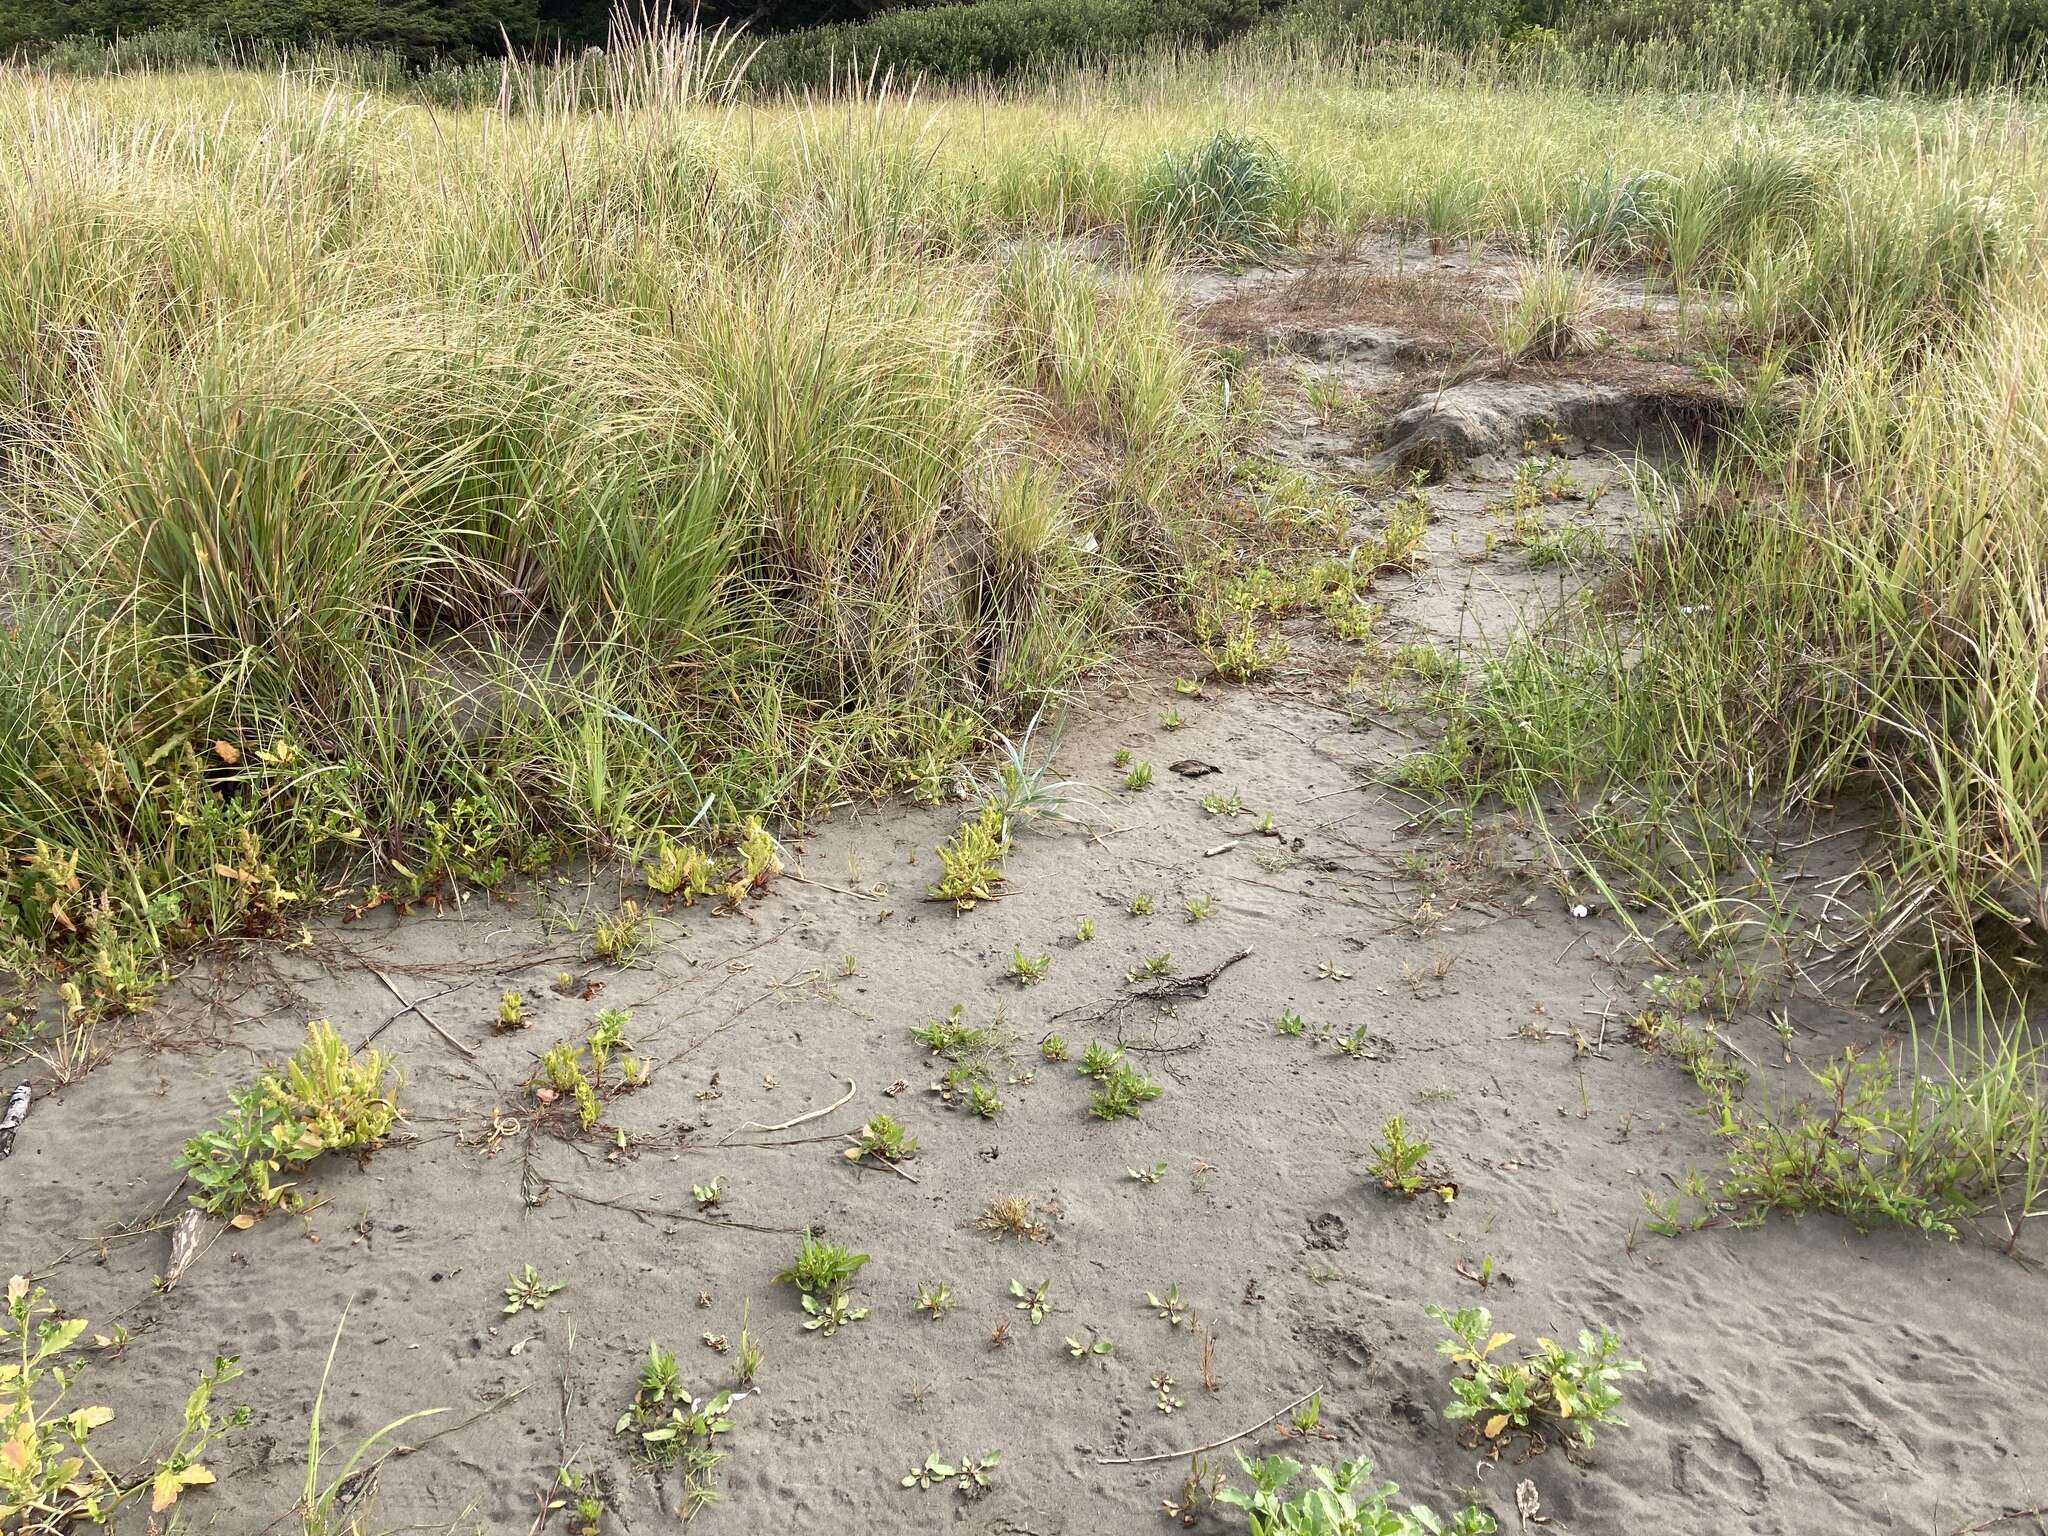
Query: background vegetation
[
  {"x": 1841, "y": 43},
  {"x": 384, "y": 516}
]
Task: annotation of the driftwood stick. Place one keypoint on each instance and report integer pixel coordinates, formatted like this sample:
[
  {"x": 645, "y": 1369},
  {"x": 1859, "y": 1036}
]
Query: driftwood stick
[
  {"x": 1271, "y": 1418},
  {"x": 413, "y": 1007},
  {"x": 816, "y": 1114}
]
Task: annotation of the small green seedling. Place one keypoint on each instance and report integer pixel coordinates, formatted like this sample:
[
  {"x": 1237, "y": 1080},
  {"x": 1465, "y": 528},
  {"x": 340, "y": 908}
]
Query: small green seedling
[
  {"x": 746, "y": 1362},
  {"x": 709, "y": 1195},
  {"x": 1150, "y": 1175},
  {"x": 1122, "y": 1093},
  {"x": 1094, "y": 1345},
  {"x": 526, "y": 1292},
  {"x": 1033, "y": 1299},
  {"x": 1171, "y": 719},
  {"x": 1166, "y": 1400},
  {"x": 1140, "y": 905},
  {"x": 1223, "y": 805},
  {"x": 982, "y": 1100},
  {"x": 829, "y": 1314},
  {"x": 974, "y": 1473},
  {"x": 1290, "y": 1023},
  {"x": 1396, "y": 1161},
  {"x": 1357, "y": 1044},
  {"x": 1140, "y": 777},
  {"x": 1152, "y": 965},
  {"x": 1027, "y": 969},
  {"x": 1099, "y": 1061},
  {"x": 1122, "y": 760},
  {"x": 511, "y": 1011},
  {"x": 1198, "y": 908},
  {"x": 883, "y": 1139},
  {"x": 1084, "y": 931},
  {"x": 1171, "y": 1309},
  {"x": 934, "y": 1298},
  {"x": 1053, "y": 1048}
]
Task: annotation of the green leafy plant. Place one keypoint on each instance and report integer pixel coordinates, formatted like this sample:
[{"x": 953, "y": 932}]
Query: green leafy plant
[
  {"x": 581, "y": 1497},
  {"x": 882, "y": 1138},
  {"x": 1084, "y": 930},
  {"x": 1160, "y": 964},
  {"x": 1122, "y": 1094},
  {"x": 1053, "y": 1047},
  {"x": 1099, "y": 1061},
  {"x": 1140, "y": 905},
  {"x": 1168, "y": 1304},
  {"x": 1344, "y": 1502},
  {"x": 1093, "y": 1347},
  {"x": 580, "y": 1073},
  {"x": 1199, "y": 908},
  {"x": 1026, "y": 969},
  {"x": 670, "y": 1427},
  {"x": 1396, "y": 1160},
  {"x": 822, "y": 1268},
  {"x": 829, "y": 1314},
  {"x": 983, "y": 1101},
  {"x": 1164, "y": 1397},
  {"x": 620, "y": 937},
  {"x": 681, "y": 869},
  {"x": 1290, "y": 1023},
  {"x": 708, "y": 1196},
  {"x": 1034, "y": 1300},
  {"x": 526, "y": 1291},
  {"x": 971, "y": 860},
  {"x": 975, "y": 1054},
  {"x": 1552, "y": 1391},
  {"x": 1217, "y": 804},
  {"x": 325, "y": 1100},
  {"x": 511, "y": 1011},
  {"x": 970, "y": 1474},
  {"x": 50, "y": 1479},
  {"x": 1140, "y": 777},
  {"x": 934, "y": 1298}
]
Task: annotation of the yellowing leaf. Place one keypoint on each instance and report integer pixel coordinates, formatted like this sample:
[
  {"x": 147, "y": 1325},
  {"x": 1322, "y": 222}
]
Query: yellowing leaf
[
  {"x": 92, "y": 1418},
  {"x": 1496, "y": 1424},
  {"x": 16, "y": 1451},
  {"x": 196, "y": 1476},
  {"x": 227, "y": 752},
  {"x": 164, "y": 1489},
  {"x": 242, "y": 1221},
  {"x": 1497, "y": 1340},
  {"x": 17, "y": 1287}
]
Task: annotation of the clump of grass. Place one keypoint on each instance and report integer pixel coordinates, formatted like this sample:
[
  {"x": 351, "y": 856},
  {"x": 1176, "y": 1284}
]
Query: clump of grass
[
  {"x": 821, "y": 1268},
  {"x": 1013, "y": 1216},
  {"x": 1550, "y": 317},
  {"x": 1225, "y": 196}
]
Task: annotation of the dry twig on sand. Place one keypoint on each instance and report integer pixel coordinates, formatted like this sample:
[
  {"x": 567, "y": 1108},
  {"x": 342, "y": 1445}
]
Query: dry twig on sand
[{"x": 1199, "y": 1450}]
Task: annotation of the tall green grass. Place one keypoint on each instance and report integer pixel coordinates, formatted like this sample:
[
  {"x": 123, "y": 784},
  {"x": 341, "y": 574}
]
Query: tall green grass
[{"x": 400, "y": 494}]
